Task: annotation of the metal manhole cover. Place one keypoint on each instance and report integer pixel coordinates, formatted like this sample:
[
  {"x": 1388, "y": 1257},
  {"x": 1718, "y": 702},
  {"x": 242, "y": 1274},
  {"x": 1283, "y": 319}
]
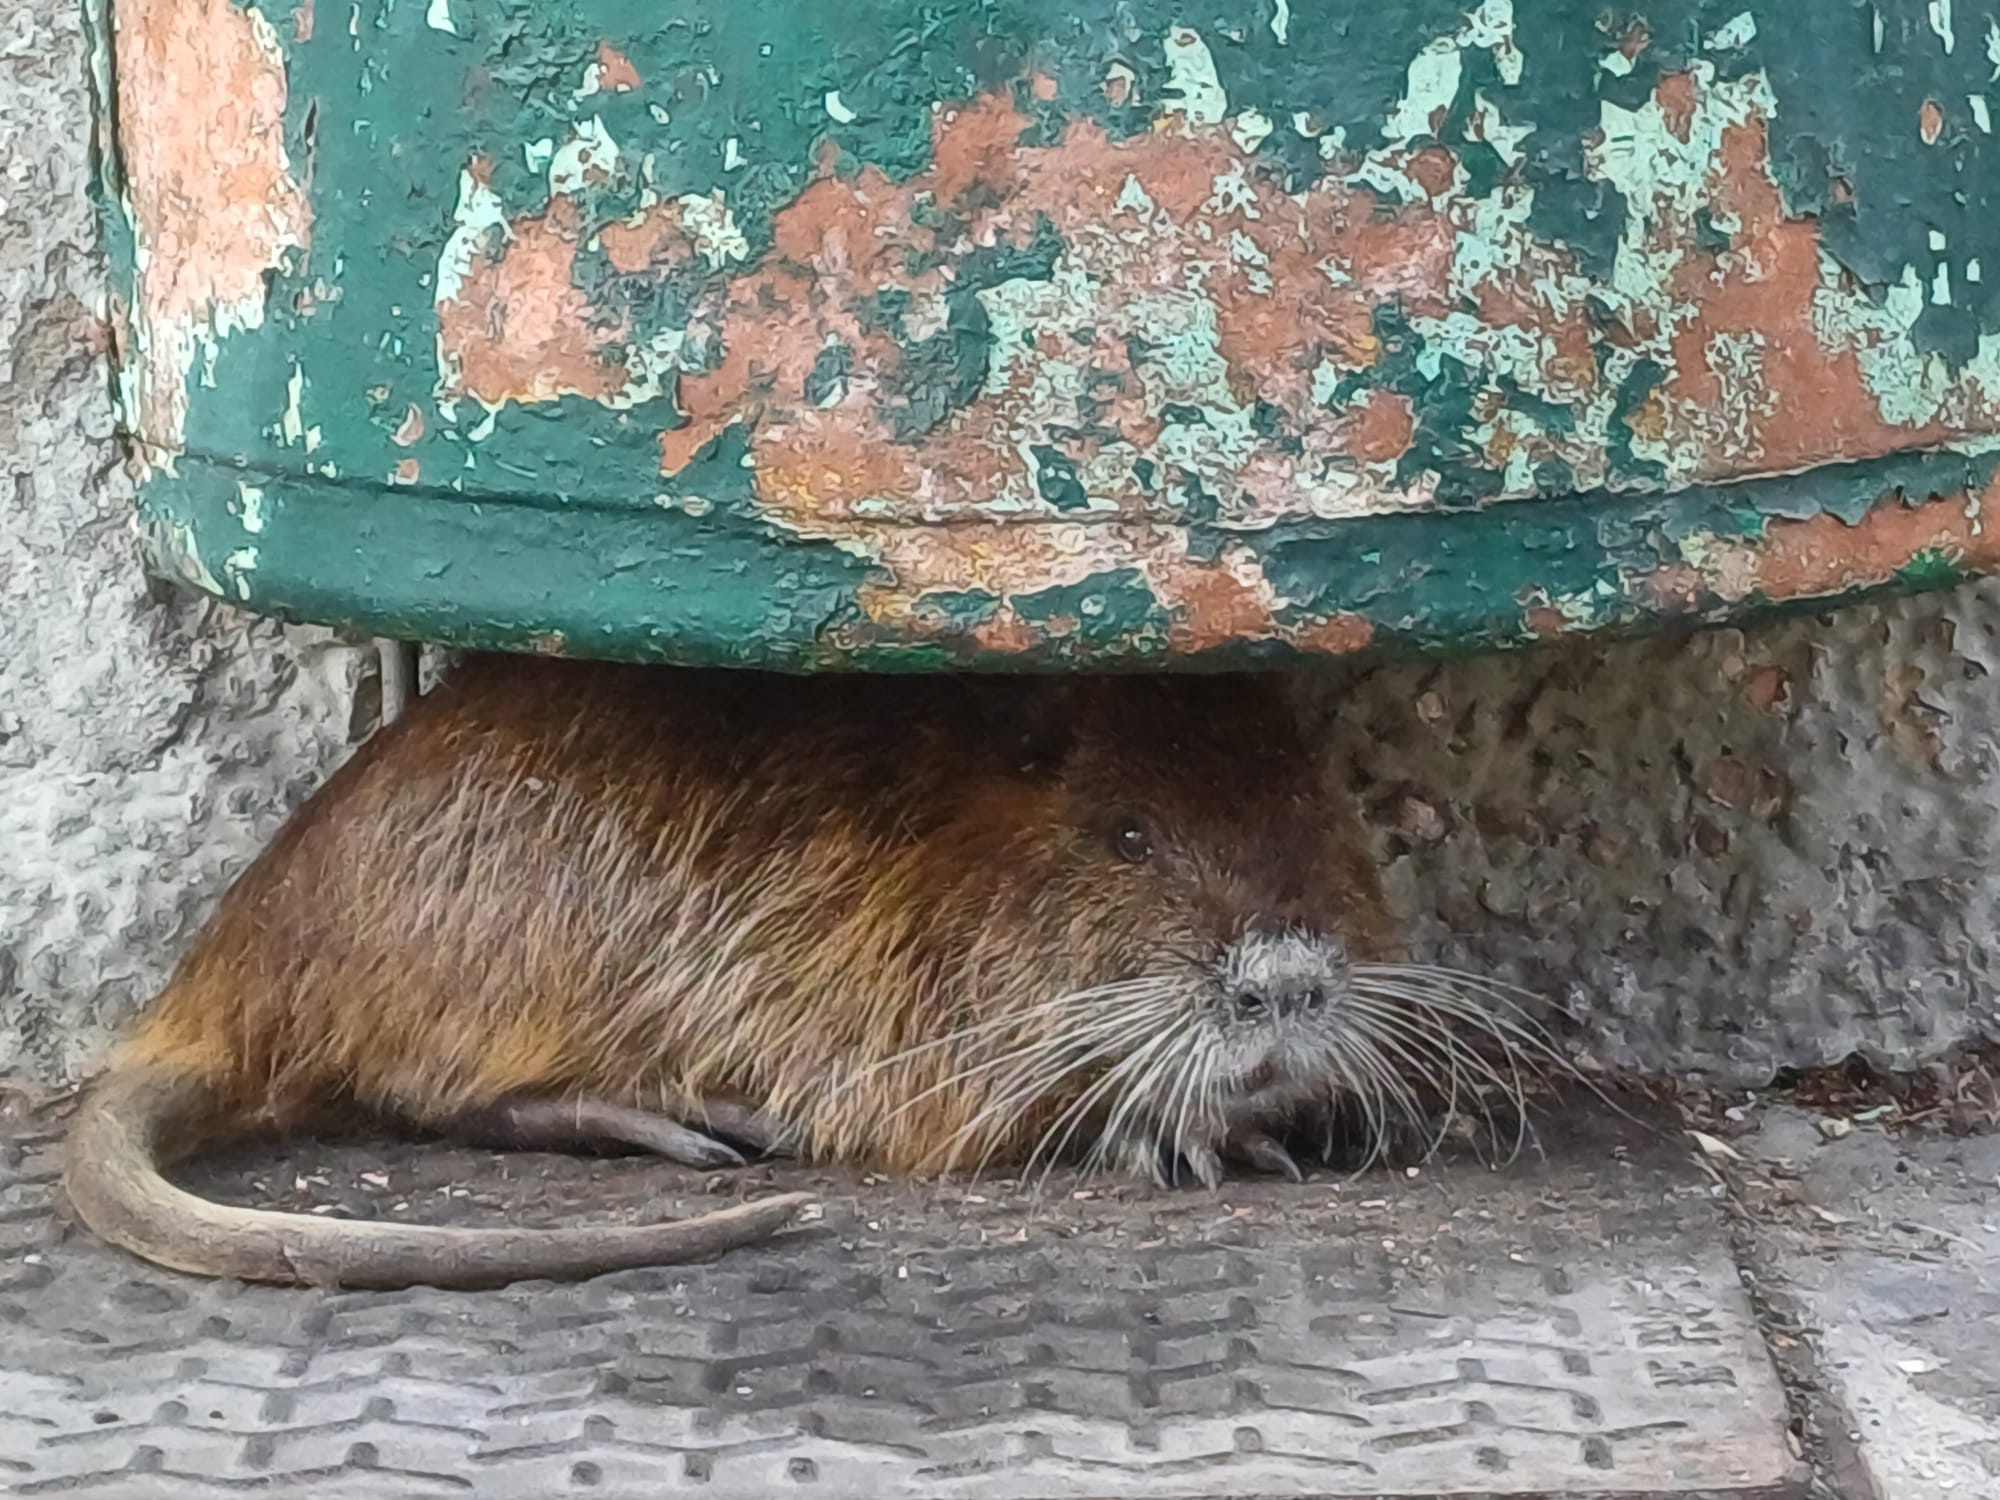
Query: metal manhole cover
[{"x": 1569, "y": 1326}]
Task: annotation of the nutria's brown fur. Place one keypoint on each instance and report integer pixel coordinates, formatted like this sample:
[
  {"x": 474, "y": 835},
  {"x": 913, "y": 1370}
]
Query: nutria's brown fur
[{"x": 828, "y": 914}]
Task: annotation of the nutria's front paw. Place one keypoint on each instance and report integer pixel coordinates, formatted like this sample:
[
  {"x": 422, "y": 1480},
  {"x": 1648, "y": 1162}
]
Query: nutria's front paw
[
  {"x": 1199, "y": 1158},
  {"x": 1265, "y": 1153}
]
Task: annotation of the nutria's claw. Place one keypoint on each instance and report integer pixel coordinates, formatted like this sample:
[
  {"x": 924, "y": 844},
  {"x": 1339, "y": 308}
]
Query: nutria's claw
[
  {"x": 1267, "y": 1155},
  {"x": 746, "y": 1126},
  {"x": 692, "y": 1149},
  {"x": 1204, "y": 1161},
  {"x": 1168, "y": 1166}
]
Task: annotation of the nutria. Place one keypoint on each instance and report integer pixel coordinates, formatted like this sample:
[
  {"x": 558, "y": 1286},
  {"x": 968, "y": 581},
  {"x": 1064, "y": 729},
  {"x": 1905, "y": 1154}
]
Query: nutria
[{"x": 910, "y": 924}]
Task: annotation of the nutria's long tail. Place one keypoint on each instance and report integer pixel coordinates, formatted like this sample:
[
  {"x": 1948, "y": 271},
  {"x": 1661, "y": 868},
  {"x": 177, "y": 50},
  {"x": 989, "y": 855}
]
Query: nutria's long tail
[{"x": 113, "y": 1177}]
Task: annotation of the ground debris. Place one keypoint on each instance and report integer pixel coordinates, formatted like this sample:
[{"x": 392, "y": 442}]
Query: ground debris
[{"x": 1958, "y": 1095}]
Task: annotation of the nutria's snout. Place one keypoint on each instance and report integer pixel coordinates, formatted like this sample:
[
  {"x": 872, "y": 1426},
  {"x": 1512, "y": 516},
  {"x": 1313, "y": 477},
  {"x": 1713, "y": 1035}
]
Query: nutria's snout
[
  {"x": 1213, "y": 1056},
  {"x": 1279, "y": 1005},
  {"x": 1271, "y": 978}
]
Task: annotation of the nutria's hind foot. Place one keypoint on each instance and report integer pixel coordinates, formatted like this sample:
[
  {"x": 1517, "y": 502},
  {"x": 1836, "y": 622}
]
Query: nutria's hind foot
[
  {"x": 747, "y": 1127},
  {"x": 526, "y": 1123}
]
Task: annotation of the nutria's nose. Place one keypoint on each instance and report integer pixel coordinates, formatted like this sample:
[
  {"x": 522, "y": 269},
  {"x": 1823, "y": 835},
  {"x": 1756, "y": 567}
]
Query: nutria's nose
[
  {"x": 1271, "y": 976},
  {"x": 1278, "y": 1000}
]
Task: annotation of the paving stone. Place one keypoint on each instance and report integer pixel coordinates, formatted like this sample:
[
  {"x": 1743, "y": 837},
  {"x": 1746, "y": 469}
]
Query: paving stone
[
  {"x": 1570, "y": 1325},
  {"x": 1892, "y": 1249}
]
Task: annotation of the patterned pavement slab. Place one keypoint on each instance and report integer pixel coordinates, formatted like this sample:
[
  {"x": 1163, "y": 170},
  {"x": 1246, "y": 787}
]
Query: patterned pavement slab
[{"x": 1569, "y": 1325}]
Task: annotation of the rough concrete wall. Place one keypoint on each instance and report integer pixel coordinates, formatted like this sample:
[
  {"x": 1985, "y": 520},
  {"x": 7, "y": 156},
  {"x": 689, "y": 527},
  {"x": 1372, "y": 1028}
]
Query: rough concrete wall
[
  {"x": 148, "y": 742},
  {"x": 1726, "y": 853}
]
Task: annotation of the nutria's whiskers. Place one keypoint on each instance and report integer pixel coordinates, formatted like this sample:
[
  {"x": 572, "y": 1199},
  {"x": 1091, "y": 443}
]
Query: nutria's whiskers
[
  {"x": 1079, "y": 1005},
  {"x": 1079, "y": 1030},
  {"x": 1142, "y": 1087},
  {"x": 1375, "y": 1085},
  {"x": 1428, "y": 1008},
  {"x": 1416, "y": 1038},
  {"x": 1038, "y": 1077},
  {"x": 1055, "y": 1140}
]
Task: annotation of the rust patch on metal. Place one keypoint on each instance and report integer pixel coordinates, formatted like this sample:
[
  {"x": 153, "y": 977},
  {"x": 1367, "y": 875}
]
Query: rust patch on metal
[
  {"x": 1264, "y": 299},
  {"x": 1823, "y": 556},
  {"x": 214, "y": 204},
  {"x": 1678, "y": 94},
  {"x": 1676, "y": 589},
  {"x": 651, "y": 241},
  {"x": 1753, "y": 386},
  {"x": 1156, "y": 329},
  {"x": 1203, "y": 604},
  {"x": 1162, "y": 237},
  {"x": 519, "y": 327},
  {"x": 1337, "y": 635},
  {"x": 1382, "y": 428},
  {"x": 615, "y": 72},
  {"x": 1545, "y": 622}
]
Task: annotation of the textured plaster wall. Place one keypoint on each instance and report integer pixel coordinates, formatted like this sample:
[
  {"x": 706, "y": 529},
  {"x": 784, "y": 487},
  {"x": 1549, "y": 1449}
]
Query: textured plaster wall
[
  {"x": 148, "y": 742},
  {"x": 1724, "y": 853}
]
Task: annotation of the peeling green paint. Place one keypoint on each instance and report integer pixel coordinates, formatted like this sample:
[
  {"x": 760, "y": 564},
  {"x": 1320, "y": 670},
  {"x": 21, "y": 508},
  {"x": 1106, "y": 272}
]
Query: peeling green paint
[{"x": 1016, "y": 332}]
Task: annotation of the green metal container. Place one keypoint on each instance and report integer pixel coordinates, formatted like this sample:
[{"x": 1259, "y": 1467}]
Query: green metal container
[{"x": 818, "y": 333}]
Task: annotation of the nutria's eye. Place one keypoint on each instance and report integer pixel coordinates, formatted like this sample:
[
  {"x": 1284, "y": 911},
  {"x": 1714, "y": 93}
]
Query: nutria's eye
[{"x": 1132, "y": 844}]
